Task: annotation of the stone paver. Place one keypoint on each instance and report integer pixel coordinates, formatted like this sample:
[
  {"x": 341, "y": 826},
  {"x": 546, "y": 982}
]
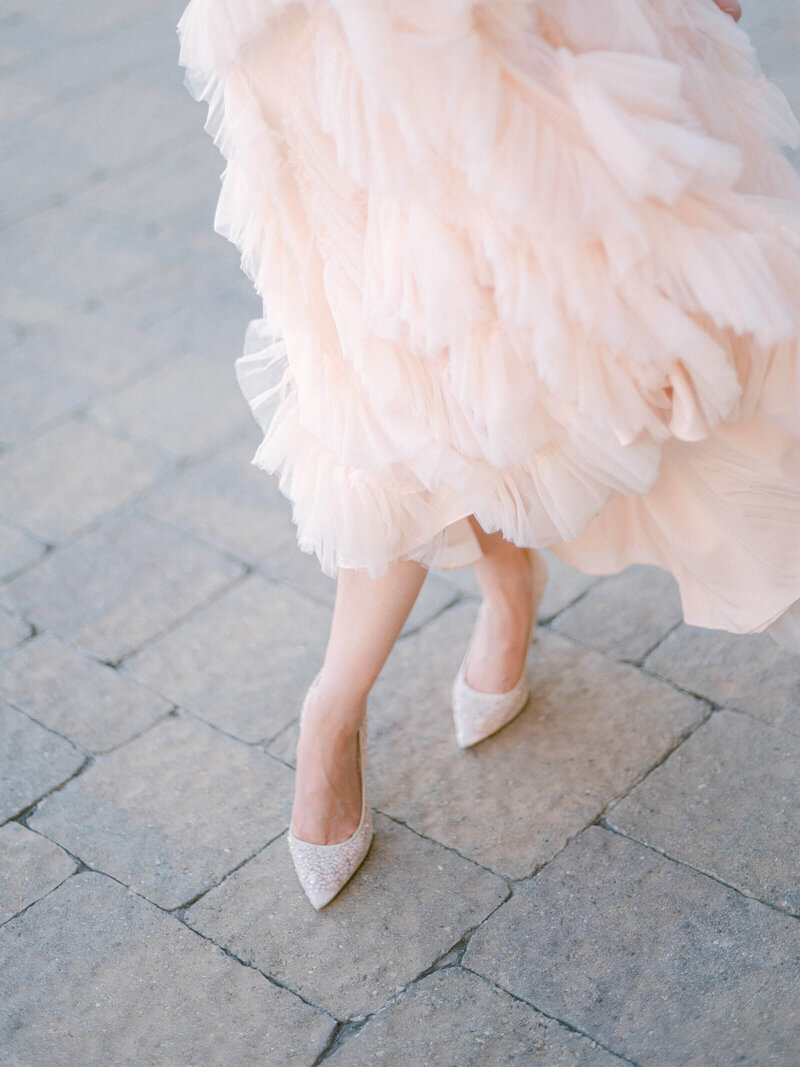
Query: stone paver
[
  {"x": 71, "y": 250},
  {"x": 186, "y": 408},
  {"x": 159, "y": 627},
  {"x": 30, "y": 867},
  {"x": 56, "y": 370},
  {"x": 657, "y": 962},
  {"x": 32, "y": 761},
  {"x": 455, "y": 1017},
  {"x": 157, "y": 193},
  {"x": 120, "y": 584},
  {"x": 243, "y": 662},
  {"x": 80, "y": 140},
  {"x": 746, "y": 672},
  {"x": 227, "y": 502},
  {"x": 72, "y": 475},
  {"x": 590, "y": 730},
  {"x": 94, "y": 974},
  {"x": 625, "y": 615},
  {"x": 64, "y": 689},
  {"x": 188, "y": 328},
  {"x": 171, "y": 812},
  {"x": 727, "y": 803},
  {"x": 17, "y": 550},
  {"x": 13, "y": 630},
  {"x": 408, "y": 904},
  {"x": 188, "y": 288}
]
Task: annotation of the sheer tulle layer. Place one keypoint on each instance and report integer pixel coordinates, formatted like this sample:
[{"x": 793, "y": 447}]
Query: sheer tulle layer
[{"x": 535, "y": 260}]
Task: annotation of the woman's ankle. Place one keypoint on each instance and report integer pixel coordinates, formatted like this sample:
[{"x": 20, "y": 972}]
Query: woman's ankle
[{"x": 335, "y": 709}]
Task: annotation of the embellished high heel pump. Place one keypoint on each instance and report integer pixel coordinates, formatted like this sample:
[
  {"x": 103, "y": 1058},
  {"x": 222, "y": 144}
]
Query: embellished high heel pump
[
  {"x": 325, "y": 869},
  {"x": 478, "y": 715}
]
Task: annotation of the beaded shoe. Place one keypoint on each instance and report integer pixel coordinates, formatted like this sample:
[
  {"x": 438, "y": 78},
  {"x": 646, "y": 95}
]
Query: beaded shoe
[
  {"x": 325, "y": 869},
  {"x": 478, "y": 715}
]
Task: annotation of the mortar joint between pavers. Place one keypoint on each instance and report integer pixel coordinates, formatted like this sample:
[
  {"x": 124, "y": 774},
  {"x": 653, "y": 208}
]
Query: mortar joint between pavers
[
  {"x": 776, "y": 726},
  {"x": 342, "y": 1033},
  {"x": 170, "y": 713},
  {"x": 682, "y": 739},
  {"x": 679, "y": 688},
  {"x": 251, "y": 966},
  {"x": 450, "y": 959},
  {"x": 450, "y": 848},
  {"x": 165, "y": 630},
  {"x": 180, "y": 712},
  {"x": 9, "y": 519},
  {"x": 779, "y": 726},
  {"x": 81, "y": 865},
  {"x": 7, "y": 653},
  {"x": 660, "y": 641},
  {"x": 55, "y": 733},
  {"x": 23, "y": 815},
  {"x": 704, "y": 874},
  {"x": 555, "y": 1018},
  {"x": 44, "y": 896},
  {"x": 181, "y": 909},
  {"x": 547, "y": 620},
  {"x": 47, "y": 547}
]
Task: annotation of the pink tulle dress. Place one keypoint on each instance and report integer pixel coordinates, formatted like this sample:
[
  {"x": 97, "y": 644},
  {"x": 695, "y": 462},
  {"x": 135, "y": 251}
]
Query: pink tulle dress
[{"x": 536, "y": 260}]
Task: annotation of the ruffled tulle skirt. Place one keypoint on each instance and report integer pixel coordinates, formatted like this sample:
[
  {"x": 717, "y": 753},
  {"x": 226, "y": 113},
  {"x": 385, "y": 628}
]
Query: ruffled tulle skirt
[{"x": 532, "y": 260}]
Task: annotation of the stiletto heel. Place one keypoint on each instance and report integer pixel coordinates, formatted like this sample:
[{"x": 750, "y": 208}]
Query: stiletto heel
[
  {"x": 323, "y": 870},
  {"x": 478, "y": 715}
]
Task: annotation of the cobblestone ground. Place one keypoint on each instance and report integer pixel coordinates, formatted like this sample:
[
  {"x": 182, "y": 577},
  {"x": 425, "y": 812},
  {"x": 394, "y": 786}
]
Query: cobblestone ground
[{"x": 613, "y": 878}]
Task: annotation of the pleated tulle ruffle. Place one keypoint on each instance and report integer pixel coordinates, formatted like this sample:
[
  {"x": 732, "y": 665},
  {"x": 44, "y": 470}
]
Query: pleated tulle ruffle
[{"x": 527, "y": 259}]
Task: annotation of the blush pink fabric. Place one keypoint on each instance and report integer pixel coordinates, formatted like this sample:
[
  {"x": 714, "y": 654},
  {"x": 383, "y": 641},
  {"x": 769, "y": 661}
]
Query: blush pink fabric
[{"x": 536, "y": 260}]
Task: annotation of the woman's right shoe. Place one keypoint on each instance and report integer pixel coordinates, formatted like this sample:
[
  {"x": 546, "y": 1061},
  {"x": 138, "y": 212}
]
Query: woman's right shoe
[
  {"x": 478, "y": 715},
  {"x": 325, "y": 869}
]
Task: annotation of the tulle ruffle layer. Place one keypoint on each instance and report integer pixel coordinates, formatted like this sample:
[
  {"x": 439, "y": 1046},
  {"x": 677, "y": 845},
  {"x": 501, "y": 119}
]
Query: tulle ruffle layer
[{"x": 522, "y": 259}]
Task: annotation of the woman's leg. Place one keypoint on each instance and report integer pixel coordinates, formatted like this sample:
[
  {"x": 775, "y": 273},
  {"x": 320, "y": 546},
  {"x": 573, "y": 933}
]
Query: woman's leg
[
  {"x": 368, "y": 615},
  {"x": 499, "y": 648}
]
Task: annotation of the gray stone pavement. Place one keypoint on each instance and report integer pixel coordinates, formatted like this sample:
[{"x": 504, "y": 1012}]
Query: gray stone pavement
[{"x": 611, "y": 879}]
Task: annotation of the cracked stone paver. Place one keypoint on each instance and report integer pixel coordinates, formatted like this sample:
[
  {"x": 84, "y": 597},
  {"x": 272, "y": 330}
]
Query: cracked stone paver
[
  {"x": 159, "y": 627},
  {"x": 93, "y": 974},
  {"x": 408, "y": 904},
  {"x": 659, "y": 963}
]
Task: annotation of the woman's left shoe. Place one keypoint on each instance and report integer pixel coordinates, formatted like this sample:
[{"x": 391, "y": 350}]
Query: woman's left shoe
[
  {"x": 325, "y": 869},
  {"x": 478, "y": 715}
]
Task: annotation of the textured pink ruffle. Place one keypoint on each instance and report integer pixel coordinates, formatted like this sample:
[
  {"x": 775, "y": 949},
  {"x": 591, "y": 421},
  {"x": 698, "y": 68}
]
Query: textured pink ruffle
[{"x": 535, "y": 260}]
